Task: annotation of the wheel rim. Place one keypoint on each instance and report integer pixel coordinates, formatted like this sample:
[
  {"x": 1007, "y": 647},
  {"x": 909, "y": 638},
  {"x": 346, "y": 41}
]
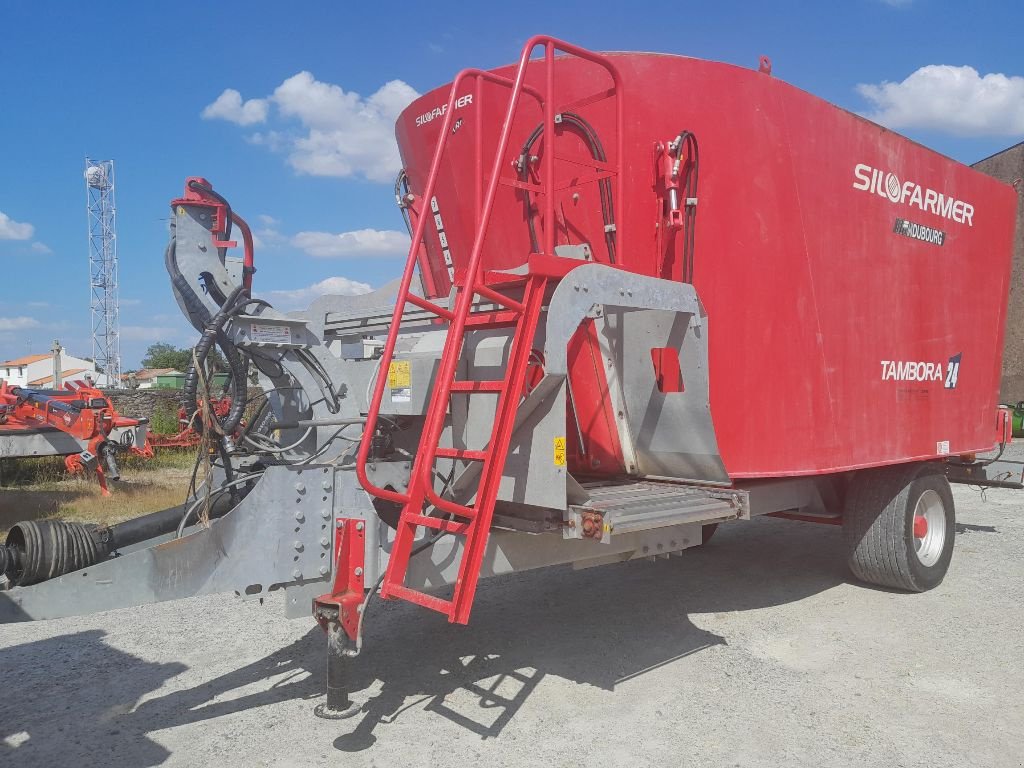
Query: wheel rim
[{"x": 929, "y": 528}]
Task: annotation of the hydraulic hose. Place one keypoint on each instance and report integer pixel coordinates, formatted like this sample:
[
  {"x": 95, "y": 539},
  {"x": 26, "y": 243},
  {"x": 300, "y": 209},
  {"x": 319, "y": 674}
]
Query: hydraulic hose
[
  {"x": 202, "y": 350},
  {"x": 596, "y": 148}
]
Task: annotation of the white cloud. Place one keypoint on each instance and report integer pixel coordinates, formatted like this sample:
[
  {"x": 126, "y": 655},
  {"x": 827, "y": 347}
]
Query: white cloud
[
  {"x": 360, "y": 242},
  {"x": 14, "y": 230},
  {"x": 18, "y": 323},
  {"x": 42, "y": 248},
  {"x": 302, "y": 297},
  {"x": 342, "y": 133},
  {"x": 955, "y": 100},
  {"x": 347, "y": 135},
  {"x": 229, "y": 106},
  {"x": 267, "y": 220}
]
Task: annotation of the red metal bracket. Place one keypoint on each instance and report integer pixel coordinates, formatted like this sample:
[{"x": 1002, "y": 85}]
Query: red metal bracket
[
  {"x": 342, "y": 603},
  {"x": 196, "y": 197}
]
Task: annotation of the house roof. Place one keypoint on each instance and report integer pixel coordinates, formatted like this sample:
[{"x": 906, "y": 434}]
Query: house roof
[
  {"x": 48, "y": 379},
  {"x": 26, "y": 360},
  {"x": 151, "y": 373}
]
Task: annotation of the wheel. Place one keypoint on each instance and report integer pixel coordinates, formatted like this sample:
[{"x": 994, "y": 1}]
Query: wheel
[
  {"x": 707, "y": 531},
  {"x": 898, "y": 525}
]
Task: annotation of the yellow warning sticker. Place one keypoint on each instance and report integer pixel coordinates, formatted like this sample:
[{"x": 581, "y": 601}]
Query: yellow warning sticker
[
  {"x": 400, "y": 374},
  {"x": 181, "y": 210},
  {"x": 559, "y": 451}
]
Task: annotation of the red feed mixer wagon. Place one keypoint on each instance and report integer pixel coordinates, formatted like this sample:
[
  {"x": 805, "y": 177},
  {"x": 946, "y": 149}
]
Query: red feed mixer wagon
[{"x": 647, "y": 294}]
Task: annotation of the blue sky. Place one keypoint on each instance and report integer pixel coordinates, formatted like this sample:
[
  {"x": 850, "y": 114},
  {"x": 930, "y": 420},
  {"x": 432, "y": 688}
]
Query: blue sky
[{"x": 219, "y": 90}]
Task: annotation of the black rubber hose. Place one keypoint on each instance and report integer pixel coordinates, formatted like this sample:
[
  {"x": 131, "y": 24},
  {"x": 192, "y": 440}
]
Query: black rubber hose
[
  {"x": 238, "y": 376},
  {"x": 195, "y": 307},
  {"x": 202, "y": 351},
  {"x": 220, "y": 199}
]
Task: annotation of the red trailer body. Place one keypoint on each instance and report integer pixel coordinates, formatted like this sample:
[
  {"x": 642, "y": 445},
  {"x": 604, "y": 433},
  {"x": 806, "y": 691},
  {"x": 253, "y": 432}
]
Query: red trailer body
[{"x": 855, "y": 282}]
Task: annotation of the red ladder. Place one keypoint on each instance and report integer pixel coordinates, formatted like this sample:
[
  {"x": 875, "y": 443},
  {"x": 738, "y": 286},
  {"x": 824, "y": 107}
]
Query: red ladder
[{"x": 521, "y": 315}]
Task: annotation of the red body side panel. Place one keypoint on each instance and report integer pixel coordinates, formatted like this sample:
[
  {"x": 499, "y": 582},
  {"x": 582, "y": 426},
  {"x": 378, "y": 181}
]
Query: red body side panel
[{"x": 836, "y": 341}]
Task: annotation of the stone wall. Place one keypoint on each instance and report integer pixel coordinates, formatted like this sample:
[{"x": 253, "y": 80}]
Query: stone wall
[
  {"x": 1008, "y": 166},
  {"x": 143, "y": 403}
]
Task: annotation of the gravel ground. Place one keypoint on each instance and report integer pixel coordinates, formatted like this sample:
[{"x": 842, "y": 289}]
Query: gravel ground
[{"x": 755, "y": 650}]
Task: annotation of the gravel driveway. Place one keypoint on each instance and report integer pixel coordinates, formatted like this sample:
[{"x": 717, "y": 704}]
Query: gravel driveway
[{"x": 755, "y": 650}]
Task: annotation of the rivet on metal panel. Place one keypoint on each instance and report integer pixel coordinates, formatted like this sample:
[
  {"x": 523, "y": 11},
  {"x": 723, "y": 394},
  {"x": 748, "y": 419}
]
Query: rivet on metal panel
[
  {"x": 326, "y": 485},
  {"x": 325, "y": 513},
  {"x": 299, "y": 517},
  {"x": 297, "y": 545},
  {"x": 300, "y": 487},
  {"x": 324, "y": 570},
  {"x": 358, "y": 571},
  {"x": 296, "y": 574},
  {"x": 359, "y": 526},
  {"x": 325, "y": 542}
]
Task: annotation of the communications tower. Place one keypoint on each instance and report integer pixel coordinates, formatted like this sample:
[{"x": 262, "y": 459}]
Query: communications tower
[{"x": 102, "y": 213}]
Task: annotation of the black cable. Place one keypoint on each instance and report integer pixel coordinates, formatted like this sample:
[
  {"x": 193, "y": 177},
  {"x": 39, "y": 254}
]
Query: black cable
[
  {"x": 193, "y": 184},
  {"x": 593, "y": 142},
  {"x": 687, "y": 141}
]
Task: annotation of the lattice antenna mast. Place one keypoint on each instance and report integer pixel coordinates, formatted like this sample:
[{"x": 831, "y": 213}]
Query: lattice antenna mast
[{"x": 102, "y": 213}]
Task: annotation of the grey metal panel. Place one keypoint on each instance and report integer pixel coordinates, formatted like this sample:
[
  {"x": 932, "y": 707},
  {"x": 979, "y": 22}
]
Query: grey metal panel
[
  {"x": 662, "y": 434},
  {"x": 639, "y": 506},
  {"x": 45, "y": 443},
  {"x": 672, "y": 433},
  {"x": 510, "y": 552},
  {"x": 280, "y": 534},
  {"x": 192, "y": 248}
]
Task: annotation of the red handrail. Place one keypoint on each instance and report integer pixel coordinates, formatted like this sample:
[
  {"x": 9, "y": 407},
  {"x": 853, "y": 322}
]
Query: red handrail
[{"x": 434, "y": 422}]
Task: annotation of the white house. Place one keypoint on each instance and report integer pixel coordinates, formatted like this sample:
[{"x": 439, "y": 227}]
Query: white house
[{"x": 37, "y": 371}]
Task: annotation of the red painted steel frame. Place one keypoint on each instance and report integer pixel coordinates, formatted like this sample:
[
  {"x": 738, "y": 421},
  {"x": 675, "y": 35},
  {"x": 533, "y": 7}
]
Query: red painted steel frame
[
  {"x": 518, "y": 86},
  {"x": 526, "y": 314},
  {"x": 349, "y": 576}
]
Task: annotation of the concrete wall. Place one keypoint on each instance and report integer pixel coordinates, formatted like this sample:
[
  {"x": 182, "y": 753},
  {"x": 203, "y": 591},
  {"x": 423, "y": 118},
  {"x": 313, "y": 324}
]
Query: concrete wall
[{"x": 1008, "y": 166}]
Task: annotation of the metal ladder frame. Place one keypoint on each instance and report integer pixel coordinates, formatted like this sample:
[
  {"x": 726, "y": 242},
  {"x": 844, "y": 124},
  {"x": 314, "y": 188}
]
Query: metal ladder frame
[{"x": 523, "y": 315}]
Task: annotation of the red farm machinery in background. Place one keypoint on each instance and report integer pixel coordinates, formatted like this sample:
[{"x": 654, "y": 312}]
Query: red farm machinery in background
[
  {"x": 645, "y": 295},
  {"x": 77, "y": 422}
]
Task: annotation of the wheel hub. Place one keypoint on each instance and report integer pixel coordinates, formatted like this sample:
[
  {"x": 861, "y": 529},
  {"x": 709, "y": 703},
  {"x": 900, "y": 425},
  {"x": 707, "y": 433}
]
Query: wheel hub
[{"x": 929, "y": 528}]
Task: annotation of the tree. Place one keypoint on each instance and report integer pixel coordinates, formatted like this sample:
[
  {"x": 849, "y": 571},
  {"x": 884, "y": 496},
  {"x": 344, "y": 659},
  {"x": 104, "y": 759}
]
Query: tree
[{"x": 163, "y": 355}]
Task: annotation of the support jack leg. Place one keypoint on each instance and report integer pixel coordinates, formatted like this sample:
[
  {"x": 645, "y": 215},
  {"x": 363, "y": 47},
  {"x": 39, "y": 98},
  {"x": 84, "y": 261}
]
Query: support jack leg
[{"x": 339, "y": 655}]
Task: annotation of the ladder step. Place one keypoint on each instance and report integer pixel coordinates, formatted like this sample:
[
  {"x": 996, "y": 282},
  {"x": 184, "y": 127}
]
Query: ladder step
[
  {"x": 460, "y": 453},
  {"x": 498, "y": 298},
  {"x": 477, "y": 386},
  {"x": 438, "y": 604},
  {"x": 492, "y": 319},
  {"x": 459, "y": 527}
]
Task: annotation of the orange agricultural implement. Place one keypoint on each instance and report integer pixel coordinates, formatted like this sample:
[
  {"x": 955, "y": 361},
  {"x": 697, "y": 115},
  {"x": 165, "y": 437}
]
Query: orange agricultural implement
[{"x": 77, "y": 422}]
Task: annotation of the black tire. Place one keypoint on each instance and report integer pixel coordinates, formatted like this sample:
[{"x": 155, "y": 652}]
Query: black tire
[{"x": 878, "y": 526}]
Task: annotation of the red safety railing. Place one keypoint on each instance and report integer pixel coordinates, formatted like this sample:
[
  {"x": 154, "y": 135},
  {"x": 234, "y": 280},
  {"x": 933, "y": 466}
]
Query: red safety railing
[{"x": 522, "y": 314}]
